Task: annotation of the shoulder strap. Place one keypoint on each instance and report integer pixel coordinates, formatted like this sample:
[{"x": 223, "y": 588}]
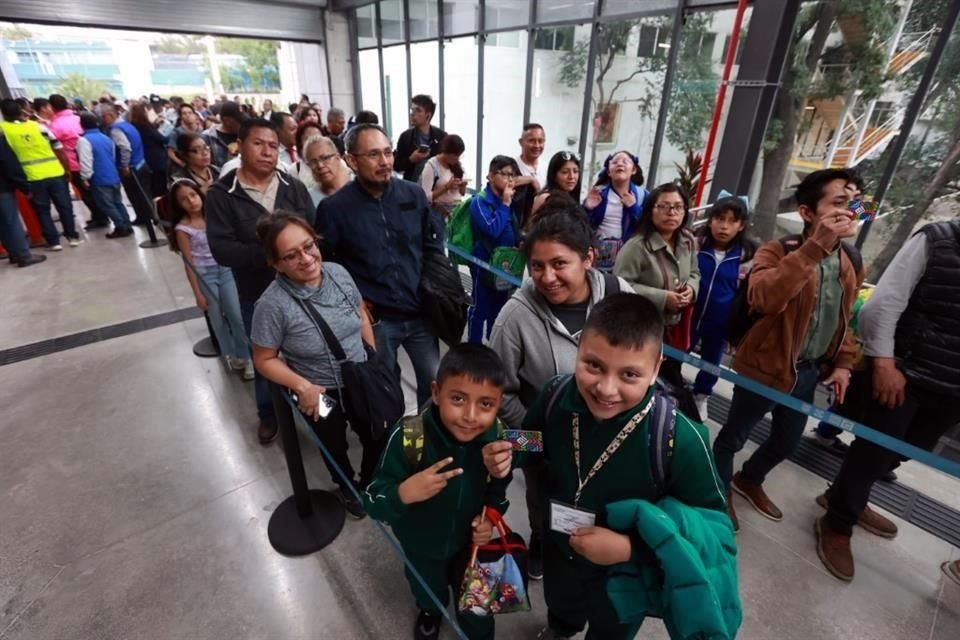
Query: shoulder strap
[
  {"x": 556, "y": 386},
  {"x": 663, "y": 419},
  {"x": 856, "y": 258},
  {"x": 412, "y": 427},
  {"x": 611, "y": 284},
  {"x": 328, "y": 336}
]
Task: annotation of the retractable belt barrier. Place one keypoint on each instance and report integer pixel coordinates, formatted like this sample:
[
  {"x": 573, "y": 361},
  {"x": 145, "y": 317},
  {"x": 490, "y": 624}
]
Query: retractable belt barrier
[{"x": 896, "y": 445}]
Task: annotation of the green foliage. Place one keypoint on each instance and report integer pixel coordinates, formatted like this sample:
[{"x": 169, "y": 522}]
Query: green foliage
[
  {"x": 260, "y": 63},
  {"x": 573, "y": 64},
  {"x": 694, "y": 90},
  {"x": 16, "y": 32},
  {"x": 179, "y": 45},
  {"x": 688, "y": 173},
  {"x": 77, "y": 85}
]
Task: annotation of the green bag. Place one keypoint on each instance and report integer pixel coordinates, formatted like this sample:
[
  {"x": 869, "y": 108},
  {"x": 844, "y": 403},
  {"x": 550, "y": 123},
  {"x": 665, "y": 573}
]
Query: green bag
[
  {"x": 460, "y": 229},
  {"x": 508, "y": 259}
]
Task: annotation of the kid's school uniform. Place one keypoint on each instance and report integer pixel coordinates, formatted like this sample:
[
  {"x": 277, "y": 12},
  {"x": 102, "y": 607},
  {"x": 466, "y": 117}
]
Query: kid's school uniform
[
  {"x": 575, "y": 442},
  {"x": 720, "y": 275},
  {"x": 436, "y": 534}
]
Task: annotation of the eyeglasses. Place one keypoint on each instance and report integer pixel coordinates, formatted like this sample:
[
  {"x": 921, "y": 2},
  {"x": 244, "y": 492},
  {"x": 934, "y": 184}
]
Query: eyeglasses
[
  {"x": 319, "y": 160},
  {"x": 373, "y": 156},
  {"x": 663, "y": 207},
  {"x": 203, "y": 149},
  {"x": 309, "y": 248},
  {"x": 509, "y": 175}
]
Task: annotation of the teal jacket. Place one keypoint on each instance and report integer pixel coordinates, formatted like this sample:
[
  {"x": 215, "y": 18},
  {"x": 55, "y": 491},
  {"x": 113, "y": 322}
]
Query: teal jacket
[
  {"x": 693, "y": 584},
  {"x": 441, "y": 526}
]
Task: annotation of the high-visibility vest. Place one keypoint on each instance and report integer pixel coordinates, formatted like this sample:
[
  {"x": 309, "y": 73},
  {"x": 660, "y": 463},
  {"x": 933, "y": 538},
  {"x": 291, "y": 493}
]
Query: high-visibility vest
[{"x": 33, "y": 150}]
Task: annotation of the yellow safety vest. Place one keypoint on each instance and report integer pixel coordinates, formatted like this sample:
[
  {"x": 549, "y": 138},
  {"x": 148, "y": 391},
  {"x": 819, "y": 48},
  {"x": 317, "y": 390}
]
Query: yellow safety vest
[{"x": 32, "y": 150}]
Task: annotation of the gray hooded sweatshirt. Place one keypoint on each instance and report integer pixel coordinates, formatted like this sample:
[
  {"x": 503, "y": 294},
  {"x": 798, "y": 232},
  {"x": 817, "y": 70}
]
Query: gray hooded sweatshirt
[{"x": 534, "y": 345}]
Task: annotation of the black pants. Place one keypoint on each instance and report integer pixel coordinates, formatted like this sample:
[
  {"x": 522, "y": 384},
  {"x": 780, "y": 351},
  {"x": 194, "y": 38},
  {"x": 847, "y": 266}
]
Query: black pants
[
  {"x": 97, "y": 216},
  {"x": 332, "y": 432},
  {"x": 923, "y": 417},
  {"x": 137, "y": 195}
]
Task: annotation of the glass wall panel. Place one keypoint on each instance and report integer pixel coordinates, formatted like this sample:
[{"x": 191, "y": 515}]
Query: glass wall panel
[
  {"x": 504, "y": 75},
  {"x": 425, "y": 72},
  {"x": 366, "y": 27},
  {"x": 625, "y": 100},
  {"x": 424, "y": 19},
  {"x": 507, "y": 13},
  {"x": 370, "y": 81},
  {"x": 391, "y": 21},
  {"x": 620, "y": 7},
  {"x": 557, "y": 10},
  {"x": 396, "y": 120},
  {"x": 556, "y": 94},
  {"x": 460, "y": 98},
  {"x": 460, "y": 16}
]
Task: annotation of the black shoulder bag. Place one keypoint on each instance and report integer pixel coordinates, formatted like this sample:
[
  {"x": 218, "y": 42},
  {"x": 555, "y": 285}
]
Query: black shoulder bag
[{"x": 371, "y": 394}]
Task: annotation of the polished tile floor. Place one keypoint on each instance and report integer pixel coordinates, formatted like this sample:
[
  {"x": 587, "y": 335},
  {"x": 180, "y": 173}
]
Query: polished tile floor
[{"x": 134, "y": 499}]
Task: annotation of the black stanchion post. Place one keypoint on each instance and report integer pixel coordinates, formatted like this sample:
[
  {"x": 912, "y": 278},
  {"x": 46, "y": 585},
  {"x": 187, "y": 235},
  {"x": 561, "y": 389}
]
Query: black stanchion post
[
  {"x": 310, "y": 519},
  {"x": 153, "y": 242},
  {"x": 207, "y": 347}
]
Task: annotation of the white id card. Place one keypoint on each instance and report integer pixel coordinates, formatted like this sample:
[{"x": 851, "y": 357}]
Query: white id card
[{"x": 565, "y": 518}]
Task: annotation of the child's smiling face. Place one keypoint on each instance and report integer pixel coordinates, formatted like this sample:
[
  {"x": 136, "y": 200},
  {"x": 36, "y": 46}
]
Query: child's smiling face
[
  {"x": 467, "y": 407},
  {"x": 614, "y": 379}
]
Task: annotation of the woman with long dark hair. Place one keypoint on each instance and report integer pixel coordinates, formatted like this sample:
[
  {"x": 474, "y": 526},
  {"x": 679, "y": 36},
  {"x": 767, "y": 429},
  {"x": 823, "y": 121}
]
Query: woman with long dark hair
[
  {"x": 442, "y": 178},
  {"x": 194, "y": 151},
  {"x": 563, "y": 175},
  {"x": 154, "y": 149}
]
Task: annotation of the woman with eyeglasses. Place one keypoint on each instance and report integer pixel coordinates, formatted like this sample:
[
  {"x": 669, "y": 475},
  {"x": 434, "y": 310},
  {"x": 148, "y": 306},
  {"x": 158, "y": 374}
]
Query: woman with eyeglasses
[
  {"x": 614, "y": 204},
  {"x": 215, "y": 290},
  {"x": 282, "y": 324},
  {"x": 660, "y": 262},
  {"x": 563, "y": 175},
  {"x": 194, "y": 151},
  {"x": 327, "y": 171},
  {"x": 187, "y": 122},
  {"x": 442, "y": 178}
]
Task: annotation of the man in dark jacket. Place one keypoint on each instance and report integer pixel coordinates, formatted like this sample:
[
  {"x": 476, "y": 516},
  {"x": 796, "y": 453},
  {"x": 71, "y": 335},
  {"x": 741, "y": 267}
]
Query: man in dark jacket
[
  {"x": 233, "y": 206},
  {"x": 911, "y": 339},
  {"x": 379, "y": 228},
  {"x": 11, "y": 229},
  {"x": 418, "y": 143}
]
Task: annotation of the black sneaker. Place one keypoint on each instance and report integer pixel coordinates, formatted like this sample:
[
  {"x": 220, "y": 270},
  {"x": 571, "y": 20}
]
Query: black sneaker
[
  {"x": 353, "y": 506},
  {"x": 29, "y": 260},
  {"x": 833, "y": 445},
  {"x": 427, "y": 627},
  {"x": 535, "y": 557}
]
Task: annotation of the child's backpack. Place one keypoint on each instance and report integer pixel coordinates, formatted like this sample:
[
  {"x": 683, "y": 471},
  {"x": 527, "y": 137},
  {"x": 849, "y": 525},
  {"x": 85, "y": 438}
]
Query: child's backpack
[
  {"x": 412, "y": 427},
  {"x": 663, "y": 417},
  {"x": 460, "y": 228},
  {"x": 742, "y": 319}
]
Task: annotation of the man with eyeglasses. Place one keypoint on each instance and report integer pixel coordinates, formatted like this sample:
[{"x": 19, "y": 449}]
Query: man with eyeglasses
[
  {"x": 379, "y": 229},
  {"x": 419, "y": 143},
  {"x": 232, "y": 208}
]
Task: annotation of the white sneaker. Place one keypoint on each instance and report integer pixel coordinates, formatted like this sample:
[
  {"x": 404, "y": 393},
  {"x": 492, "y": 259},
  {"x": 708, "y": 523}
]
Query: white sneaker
[
  {"x": 248, "y": 371},
  {"x": 55, "y": 247},
  {"x": 701, "y": 401},
  {"x": 74, "y": 242},
  {"x": 235, "y": 364}
]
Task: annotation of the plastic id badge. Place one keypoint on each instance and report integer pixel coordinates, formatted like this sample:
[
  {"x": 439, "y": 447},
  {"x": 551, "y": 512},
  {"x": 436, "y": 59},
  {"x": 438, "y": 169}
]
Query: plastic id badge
[
  {"x": 530, "y": 441},
  {"x": 564, "y": 518}
]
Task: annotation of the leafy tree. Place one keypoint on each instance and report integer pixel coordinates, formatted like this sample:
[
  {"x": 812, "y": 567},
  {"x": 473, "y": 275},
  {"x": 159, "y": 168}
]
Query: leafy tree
[
  {"x": 16, "y": 32},
  {"x": 77, "y": 85},
  {"x": 259, "y": 70},
  {"x": 694, "y": 90}
]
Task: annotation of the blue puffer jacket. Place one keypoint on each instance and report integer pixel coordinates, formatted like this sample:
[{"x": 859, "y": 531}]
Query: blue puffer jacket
[
  {"x": 494, "y": 224},
  {"x": 718, "y": 284},
  {"x": 630, "y": 214}
]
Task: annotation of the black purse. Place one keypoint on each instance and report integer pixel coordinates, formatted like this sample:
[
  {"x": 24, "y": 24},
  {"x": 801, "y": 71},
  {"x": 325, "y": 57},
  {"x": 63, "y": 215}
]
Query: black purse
[{"x": 370, "y": 392}]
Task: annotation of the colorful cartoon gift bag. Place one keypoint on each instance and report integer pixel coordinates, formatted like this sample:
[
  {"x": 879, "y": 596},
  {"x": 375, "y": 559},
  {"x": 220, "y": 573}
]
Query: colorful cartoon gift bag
[{"x": 496, "y": 578}]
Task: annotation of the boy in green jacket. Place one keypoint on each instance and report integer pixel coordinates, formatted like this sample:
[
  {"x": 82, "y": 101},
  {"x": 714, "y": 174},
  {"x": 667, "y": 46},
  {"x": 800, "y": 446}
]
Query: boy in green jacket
[
  {"x": 596, "y": 442},
  {"x": 432, "y": 485}
]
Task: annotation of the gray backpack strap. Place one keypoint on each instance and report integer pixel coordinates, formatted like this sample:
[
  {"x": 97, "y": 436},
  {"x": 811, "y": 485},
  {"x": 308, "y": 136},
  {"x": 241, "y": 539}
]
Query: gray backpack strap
[{"x": 663, "y": 419}]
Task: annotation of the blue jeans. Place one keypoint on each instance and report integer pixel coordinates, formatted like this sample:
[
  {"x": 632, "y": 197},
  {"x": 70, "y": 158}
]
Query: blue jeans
[
  {"x": 12, "y": 235},
  {"x": 711, "y": 350},
  {"x": 109, "y": 200},
  {"x": 57, "y": 191},
  {"x": 224, "y": 309},
  {"x": 414, "y": 335},
  {"x": 487, "y": 303},
  {"x": 746, "y": 410},
  {"x": 261, "y": 386}
]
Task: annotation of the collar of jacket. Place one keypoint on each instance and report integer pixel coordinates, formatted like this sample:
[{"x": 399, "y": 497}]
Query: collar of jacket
[{"x": 234, "y": 180}]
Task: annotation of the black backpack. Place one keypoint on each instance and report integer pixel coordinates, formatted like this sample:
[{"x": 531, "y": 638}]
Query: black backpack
[
  {"x": 742, "y": 319},
  {"x": 442, "y": 298}
]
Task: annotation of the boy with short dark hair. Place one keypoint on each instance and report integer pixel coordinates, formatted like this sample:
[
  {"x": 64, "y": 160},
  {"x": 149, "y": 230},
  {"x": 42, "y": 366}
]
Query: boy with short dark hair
[
  {"x": 617, "y": 534},
  {"x": 432, "y": 485}
]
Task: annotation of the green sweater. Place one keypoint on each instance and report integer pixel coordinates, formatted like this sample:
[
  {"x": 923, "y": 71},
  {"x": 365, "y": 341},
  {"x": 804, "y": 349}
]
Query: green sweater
[
  {"x": 626, "y": 475},
  {"x": 441, "y": 526}
]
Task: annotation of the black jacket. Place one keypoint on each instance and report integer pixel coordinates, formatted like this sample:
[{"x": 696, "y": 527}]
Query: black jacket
[
  {"x": 381, "y": 241},
  {"x": 406, "y": 145},
  {"x": 232, "y": 229},
  {"x": 11, "y": 172},
  {"x": 154, "y": 149}
]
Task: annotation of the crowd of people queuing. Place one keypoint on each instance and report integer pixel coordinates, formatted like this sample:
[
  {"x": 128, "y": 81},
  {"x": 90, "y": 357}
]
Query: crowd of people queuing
[{"x": 281, "y": 216}]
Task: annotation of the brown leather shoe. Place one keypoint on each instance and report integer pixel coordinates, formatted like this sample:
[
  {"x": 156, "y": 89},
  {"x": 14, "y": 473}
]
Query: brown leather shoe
[
  {"x": 267, "y": 432},
  {"x": 870, "y": 520},
  {"x": 732, "y": 512},
  {"x": 834, "y": 550},
  {"x": 757, "y": 497}
]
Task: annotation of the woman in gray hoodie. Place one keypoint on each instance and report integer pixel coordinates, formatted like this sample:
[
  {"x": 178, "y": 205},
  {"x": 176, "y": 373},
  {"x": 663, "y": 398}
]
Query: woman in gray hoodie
[{"x": 537, "y": 331}]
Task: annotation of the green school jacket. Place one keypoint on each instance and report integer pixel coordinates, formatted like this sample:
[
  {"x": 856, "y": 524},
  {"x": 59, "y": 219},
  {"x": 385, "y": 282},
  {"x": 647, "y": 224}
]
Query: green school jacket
[
  {"x": 626, "y": 475},
  {"x": 441, "y": 526},
  {"x": 693, "y": 585}
]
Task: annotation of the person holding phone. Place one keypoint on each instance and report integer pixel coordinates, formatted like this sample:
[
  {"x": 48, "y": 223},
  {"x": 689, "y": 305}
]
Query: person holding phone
[
  {"x": 281, "y": 324},
  {"x": 614, "y": 204},
  {"x": 442, "y": 179},
  {"x": 420, "y": 142}
]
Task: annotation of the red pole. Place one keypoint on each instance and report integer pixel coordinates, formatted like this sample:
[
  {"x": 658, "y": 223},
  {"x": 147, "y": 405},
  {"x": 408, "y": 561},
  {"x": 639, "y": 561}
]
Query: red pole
[{"x": 721, "y": 95}]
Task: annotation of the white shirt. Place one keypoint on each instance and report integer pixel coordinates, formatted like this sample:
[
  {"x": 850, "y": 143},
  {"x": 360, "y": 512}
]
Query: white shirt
[
  {"x": 612, "y": 225},
  {"x": 540, "y": 171}
]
